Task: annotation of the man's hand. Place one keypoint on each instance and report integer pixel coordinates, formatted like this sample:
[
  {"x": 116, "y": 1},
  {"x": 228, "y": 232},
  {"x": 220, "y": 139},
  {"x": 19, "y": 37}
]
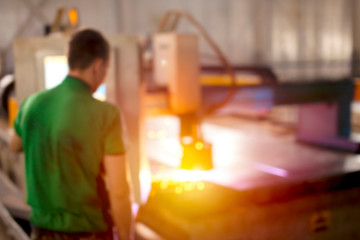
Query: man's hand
[
  {"x": 115, "y": 169},
  {"x": 15, "y": 143}
]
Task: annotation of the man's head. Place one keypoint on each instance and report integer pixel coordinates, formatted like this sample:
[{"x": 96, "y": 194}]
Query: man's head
[{"x": 89, "y": 56}]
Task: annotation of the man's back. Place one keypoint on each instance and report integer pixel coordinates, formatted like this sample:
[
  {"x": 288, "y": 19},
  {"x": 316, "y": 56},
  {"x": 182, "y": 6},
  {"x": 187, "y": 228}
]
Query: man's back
[{"x": 65, "y": 134}]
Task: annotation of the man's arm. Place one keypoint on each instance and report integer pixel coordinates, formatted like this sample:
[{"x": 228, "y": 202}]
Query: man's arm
[
  {"x": 115, "y": 169},
  {"x": 15, "y": 143}
]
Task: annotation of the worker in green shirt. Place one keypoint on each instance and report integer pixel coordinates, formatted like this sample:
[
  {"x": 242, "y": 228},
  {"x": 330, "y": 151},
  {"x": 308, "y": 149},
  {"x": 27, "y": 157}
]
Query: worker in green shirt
[{"x": 71, "y": 141}]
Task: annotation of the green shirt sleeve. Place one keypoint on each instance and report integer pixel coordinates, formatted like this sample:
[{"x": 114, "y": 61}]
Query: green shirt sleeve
[{"x": 114, "y": 143}]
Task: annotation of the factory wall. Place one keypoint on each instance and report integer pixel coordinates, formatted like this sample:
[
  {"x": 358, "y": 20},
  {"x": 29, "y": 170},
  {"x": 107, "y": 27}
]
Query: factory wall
[{"x": 300, "y": 39}]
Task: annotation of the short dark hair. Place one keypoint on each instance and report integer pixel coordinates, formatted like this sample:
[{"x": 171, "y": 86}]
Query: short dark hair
[{"x": 85, "y": 46}]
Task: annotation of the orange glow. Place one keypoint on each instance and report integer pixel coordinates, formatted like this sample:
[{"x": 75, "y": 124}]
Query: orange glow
[
  {"x": 163, "y": 185},
  {"x": 73, "y": 17},
  {"x": 199, "y": 146},
  {"x": 186, "y": 177},
  {"x": 178, "y": 190},
  {"x": 200, "y": 186},
  {"x": 187, "y": 140},
  {"x": 189, "y": 186}
]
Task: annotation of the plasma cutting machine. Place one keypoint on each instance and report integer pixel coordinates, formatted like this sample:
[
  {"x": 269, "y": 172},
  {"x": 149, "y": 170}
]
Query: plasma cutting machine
[{"x": 265, "y": 182}]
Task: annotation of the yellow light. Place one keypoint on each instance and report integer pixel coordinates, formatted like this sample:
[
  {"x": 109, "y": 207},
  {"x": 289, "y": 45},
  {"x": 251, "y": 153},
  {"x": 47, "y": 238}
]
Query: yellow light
[
  {"x": 200, "y": 186},
  {"x": 187, "y": 178},
  {"x": 151, "y": 134},
  {"x": 178, "y": 190},
  {"x": 73, "y": 17},
  {"x": 199, "y": 146},
  {"x": 189, "y": 186},
  {"x": 163, "y": 185}
]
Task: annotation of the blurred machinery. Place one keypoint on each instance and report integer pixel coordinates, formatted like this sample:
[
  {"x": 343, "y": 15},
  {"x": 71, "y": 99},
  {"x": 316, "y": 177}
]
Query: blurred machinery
[
  {"x": 243, "y": 177},
  {"x": 265, "y": 183}
]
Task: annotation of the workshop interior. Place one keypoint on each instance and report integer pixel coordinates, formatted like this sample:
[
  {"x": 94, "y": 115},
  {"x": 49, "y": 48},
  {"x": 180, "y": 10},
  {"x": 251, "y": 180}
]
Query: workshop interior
[{"x": 242, "y": 117}]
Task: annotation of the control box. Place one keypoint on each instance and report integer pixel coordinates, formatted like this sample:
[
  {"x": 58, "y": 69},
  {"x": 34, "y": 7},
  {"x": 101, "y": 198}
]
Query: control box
[{"x": 176, "y": 66}]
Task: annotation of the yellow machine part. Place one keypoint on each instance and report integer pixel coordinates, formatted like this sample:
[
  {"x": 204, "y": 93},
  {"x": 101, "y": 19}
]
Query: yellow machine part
[
  {"x": 357, "y": 90},
  {"x": 225, "y": 80},
  {"x": 13, "y": 108}
]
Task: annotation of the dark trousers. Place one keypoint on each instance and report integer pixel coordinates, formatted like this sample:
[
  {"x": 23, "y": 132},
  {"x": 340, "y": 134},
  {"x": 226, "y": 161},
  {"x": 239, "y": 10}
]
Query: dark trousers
[{"x": 44, "y": 234}]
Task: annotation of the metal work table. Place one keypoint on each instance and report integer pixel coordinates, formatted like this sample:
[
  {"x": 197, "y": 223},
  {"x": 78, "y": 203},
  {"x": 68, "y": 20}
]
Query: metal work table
[{"x": 259, "y": 171}]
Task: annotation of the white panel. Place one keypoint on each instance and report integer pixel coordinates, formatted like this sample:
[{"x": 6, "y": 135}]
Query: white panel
[{"x": 176, "y": 66}]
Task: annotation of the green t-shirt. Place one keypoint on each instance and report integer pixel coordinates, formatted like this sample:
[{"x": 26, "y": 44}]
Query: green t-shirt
[{"x": 65, "y": 134}]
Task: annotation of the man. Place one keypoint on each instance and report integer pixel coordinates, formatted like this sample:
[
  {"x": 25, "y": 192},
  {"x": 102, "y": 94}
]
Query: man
[{"x": 70, "y": 141}]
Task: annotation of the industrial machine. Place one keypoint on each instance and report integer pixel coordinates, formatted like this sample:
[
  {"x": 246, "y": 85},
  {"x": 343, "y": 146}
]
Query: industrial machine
[
  {"x": 271, "y": 179},
  {"x": 210, "y": 158}
]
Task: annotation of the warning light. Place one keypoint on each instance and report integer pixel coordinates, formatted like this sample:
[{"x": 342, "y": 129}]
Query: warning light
[
  {"x": 199, "y": 146},
  {"x": 73, "y": 17}
]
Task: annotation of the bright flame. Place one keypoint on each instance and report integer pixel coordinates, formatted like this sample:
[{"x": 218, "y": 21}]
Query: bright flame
[
  {"x": 181, "y": 176},
  {"x": 200, "y": 186},
  {"x": 189, "y": 186},
  {"x": 163, "y": 184},
  {"x": 199, "y": 146},
  {"x": 178, "y": 190}
]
